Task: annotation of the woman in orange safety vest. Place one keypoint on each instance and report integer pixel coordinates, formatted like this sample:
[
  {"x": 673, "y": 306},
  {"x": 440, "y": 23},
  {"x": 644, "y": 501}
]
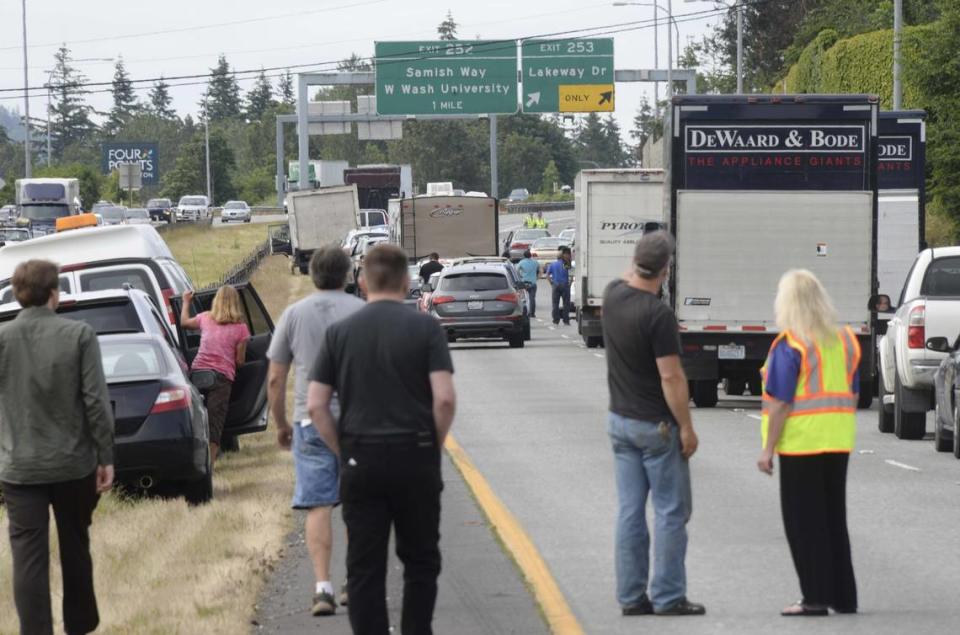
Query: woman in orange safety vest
[{"x": 810, "y": 391}]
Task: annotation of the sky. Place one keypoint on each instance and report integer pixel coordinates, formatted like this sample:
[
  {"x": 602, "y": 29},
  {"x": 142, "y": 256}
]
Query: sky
[{"x": 184, "y": 37}]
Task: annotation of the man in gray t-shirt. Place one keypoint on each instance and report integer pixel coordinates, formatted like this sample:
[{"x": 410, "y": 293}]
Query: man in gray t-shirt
[{"x": 297, "y": 341}]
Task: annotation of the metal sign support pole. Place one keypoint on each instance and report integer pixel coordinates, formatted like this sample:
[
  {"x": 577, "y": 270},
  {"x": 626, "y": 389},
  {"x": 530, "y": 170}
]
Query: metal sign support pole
[{"x": 493, "y": 156}]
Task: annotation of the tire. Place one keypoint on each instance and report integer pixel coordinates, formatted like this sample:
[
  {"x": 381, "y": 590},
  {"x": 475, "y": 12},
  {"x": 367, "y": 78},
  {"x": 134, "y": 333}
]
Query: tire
[
  {"x": 593, "y": 341},
  {"x": 247, "y": 221},
  {"x": 906, "y": 425},
  {"x": 940, "y": 442},
  {"x": 756, "y": 387},
  {"x": 734, "y": 387},
  {"x": 884, "y": 412},
  {"x": 200, "y": 491},
  {"x": 705, "y": 393},
  {"x": 526, "y": 331},
  {"x": 229, "y": 443},
  {"x": 956, "y": 437},
  {"x": 304, "y": 268},
  {"x": 516, "y": 340}
]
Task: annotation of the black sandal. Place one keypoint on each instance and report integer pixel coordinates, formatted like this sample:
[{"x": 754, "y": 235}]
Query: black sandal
[{"x": 804, "y": 610}]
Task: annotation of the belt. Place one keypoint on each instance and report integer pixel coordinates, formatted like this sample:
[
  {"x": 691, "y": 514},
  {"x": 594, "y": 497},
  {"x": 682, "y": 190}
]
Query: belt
[{"x": 410, "y": 440}]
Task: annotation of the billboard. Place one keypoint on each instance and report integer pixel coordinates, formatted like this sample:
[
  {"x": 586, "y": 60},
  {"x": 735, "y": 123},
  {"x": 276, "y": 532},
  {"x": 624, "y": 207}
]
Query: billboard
[{"x": 146, "y": 153}]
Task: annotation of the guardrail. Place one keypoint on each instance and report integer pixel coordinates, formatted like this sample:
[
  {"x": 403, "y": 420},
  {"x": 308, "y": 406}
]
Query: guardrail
[
  {"x": 533, "y": 208},
  {"x": 242, "y": 271}
]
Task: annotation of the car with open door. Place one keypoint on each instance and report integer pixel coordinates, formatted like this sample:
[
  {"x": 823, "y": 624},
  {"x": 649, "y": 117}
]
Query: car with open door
[
  {"x": 946, "y": 384},
  {"x": 248, "y": 399}
]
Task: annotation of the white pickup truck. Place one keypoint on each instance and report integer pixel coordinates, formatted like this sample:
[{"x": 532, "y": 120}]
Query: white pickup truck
[{"x": 929, "y": 306}]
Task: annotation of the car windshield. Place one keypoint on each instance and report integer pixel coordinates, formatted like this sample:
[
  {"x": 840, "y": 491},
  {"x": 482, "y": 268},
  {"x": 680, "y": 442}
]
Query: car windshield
[
  {"x": 158, "y": 202},
  {"x": 112, "y": 213},
  {"x": 474, "y": 282},
  {"x": 235, "y": 205},
  {"x": 126, "y": 360},
  {"x": 530, "y": 234},
  {"x": 567, "y": 234},
  {"x": 192, "y": 200},
  {"x": 548, "y": 243},
  {"x": 138, "y": 213},
  {"x": 44, "y": 212},
  {"x": 942, "y": 278}
]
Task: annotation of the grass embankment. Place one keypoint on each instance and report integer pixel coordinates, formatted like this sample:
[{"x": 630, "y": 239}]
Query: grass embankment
[
  {"x": 162, "y": 567},
  {"x": 207, "y": 253}
]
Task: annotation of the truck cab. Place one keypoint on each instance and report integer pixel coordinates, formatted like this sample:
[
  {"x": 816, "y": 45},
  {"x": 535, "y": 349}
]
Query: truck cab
[{"x": 42, "y": 201}]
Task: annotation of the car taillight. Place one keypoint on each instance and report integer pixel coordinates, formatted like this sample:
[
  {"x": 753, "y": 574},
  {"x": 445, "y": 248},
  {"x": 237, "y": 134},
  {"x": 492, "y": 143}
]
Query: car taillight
[
  {"x": 917, "y": 331},
  {"x": 171, "y": 399},
  {"x": 508, "y": 297},
  {"x": 519, "y": 245},
  {"x": 442, "y": 299},
  {"x": 167, "y": 294}
]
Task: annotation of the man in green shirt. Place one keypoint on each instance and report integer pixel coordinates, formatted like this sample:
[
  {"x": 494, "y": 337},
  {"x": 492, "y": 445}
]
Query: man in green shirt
[{"x": 56, "y": 449}]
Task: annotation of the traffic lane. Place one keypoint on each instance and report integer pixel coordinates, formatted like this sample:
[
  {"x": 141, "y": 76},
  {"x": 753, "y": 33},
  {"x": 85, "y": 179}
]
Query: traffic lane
[
  {"x": 256, "y": 218},
  {"x": 542, "y": 444},
  {"x": 558, "y": 221}
]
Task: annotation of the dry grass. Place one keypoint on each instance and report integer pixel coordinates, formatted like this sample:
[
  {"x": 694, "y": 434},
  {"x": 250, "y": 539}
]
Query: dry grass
[
  {"x": 163, "y": 567},
  {"x": 207, "y": 253}
]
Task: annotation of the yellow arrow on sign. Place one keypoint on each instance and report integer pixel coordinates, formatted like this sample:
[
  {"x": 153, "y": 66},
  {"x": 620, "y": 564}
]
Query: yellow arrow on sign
[{"x": 586, "y": 98}]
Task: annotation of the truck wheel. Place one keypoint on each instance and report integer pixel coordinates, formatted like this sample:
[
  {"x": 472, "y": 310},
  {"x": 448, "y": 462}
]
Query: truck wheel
[
  {"x": 885, "y": 411},
  {"x": 516, "y": 341},
  {"x": 906, "y": 425},
  {"x": 940, "y": 442},
  {"x": 705, "y": 393},
  {"x": 592, "y": 341},
  {"x": 865, "y": 398},
  {"x": 734, "y": 387}
]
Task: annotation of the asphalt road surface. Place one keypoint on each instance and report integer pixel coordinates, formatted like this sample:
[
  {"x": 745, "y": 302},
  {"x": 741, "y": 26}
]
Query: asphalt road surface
[{"x": 533, "y": 421}]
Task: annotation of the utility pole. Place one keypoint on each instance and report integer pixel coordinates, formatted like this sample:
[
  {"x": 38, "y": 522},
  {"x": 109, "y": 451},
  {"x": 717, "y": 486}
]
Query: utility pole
[
  {"x": 740, "y": 47},
  {"x": 27, "y": 171},
  {"x": 669, "y": 54},
  {"x": 897, "y": 30},
  {"x": 656, "y": 60},
  {"x": 206, "y": 143},
  {"x": 49, "y": 151}
]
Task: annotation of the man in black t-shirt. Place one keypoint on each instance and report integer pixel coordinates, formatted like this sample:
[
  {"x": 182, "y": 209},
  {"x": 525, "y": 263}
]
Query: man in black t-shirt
[
  {"x": 651, "y": 432},
  {"x": 392, "y": 371},
  {"x": 430, "y": 267}
]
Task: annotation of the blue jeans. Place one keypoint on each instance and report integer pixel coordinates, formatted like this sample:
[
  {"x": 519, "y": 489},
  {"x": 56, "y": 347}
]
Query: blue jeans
[
  {"x": 647, "y": 463},
  {"x": 532, "y": 294},
  {"x": 561, "y": 303}
]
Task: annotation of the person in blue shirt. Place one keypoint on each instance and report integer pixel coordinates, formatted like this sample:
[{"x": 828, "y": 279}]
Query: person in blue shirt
[
  {"x": 558, "y": 273},
  {"x": 529, "y": 271}
]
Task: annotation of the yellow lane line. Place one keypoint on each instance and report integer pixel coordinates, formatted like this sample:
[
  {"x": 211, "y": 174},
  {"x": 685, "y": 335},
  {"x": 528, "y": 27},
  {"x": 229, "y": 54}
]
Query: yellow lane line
[{"x": 560, "y": 617}]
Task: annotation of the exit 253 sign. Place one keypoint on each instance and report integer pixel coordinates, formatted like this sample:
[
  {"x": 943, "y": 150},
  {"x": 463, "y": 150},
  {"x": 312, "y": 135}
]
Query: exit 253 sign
[{"x": 567, "y": 75}]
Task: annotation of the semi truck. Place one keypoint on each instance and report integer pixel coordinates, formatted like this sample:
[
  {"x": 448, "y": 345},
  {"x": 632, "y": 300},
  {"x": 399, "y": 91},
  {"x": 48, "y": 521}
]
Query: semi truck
[
  {"x": 613, "y": 209},
  {"x": 320, "y": 173},
  {"x": 759, "y": 185},
  {"x": 40, "y": 202},
  {"x": 451, "y": 226},
  {"x": 377, "y": 184},
  {"x": 902, "y": 197},
  {"x": 320, "y": 217}
]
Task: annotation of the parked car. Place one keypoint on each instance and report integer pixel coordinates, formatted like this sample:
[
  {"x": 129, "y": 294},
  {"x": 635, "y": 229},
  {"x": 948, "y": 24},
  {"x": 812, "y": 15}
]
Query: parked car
[
  {"x": 546, "y": 250},
  {"x": 365, "y": 244},
  {"x": 518, "y": 195},
  {"x": 113, "y": 215},
  {"x": 568, "y": 236},
  {"x": 946, "y": 385},
  {"x": 101, "y": 205},
  {"x": 519, "y": 240},
  {"x": 235, "y": 211},
  {"x": 193, "y": 208},
  {"x": 372, "y": 218},
  {"x": 929, "y": 307},
  {"x": 137, "y": 216},
  {"x": 478, "y": 301},
  {"x": 161, "y": 209},
  {"x": 515, "y": 281},
  {"x": 13, "y": 235},
  {"x": 96, "y": 259},
  {"x": 352, "y": 239},
  {"x": 8, "y": 214}
]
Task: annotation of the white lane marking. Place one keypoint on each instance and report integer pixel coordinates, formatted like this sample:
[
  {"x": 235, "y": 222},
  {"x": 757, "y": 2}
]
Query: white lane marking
[
  {"x": 757, "y": 417},
  {"x": 600, "y": 355},
  {"x": 552, "y": 328},
  {"x": 902, "y": 465},
  {"x": 566, "y": 337}
]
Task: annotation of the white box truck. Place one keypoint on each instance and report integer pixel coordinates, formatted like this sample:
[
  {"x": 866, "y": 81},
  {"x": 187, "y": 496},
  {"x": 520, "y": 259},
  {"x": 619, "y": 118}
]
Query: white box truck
[
  {"x": 40, "y": 202},
  {"x": 613, "y": 210},
  {"x": 320, "y": 217},
  {"x": 452, "y": 226},
  {"x": 761, "y": 184}
]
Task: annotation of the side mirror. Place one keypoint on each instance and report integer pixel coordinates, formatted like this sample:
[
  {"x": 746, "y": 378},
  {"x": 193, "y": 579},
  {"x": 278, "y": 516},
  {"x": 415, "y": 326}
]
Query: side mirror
[
  {"x": 938, "y": 344},
  {"x": 880, "y": 304}
]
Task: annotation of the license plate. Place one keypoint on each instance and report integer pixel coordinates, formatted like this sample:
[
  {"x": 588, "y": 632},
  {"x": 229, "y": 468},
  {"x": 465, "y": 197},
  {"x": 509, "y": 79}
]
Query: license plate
[
  {"x": 475, "y": 305},
  {"x": 731, "y": 352}
]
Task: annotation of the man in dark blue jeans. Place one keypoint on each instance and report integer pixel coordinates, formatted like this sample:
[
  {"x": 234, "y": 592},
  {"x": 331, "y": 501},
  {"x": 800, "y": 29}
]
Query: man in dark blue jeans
[
  {"x": 558, "y": 273},
  {"x": 651, "y": 433}
]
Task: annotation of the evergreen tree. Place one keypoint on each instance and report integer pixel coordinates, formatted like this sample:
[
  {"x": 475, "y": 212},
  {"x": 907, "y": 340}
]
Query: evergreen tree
[
  {"x": 188, "y": 175},
  {"x": 645, "y": 127},
  {"x": 259, "y": 98},
  {"x": 285, "y": 89},
  {"x": 69, "y": 113},
  {"x": 160, "y": 101},
  {"x": 551, "y": 178},
  {"x": 221, "y": 101},
  {"x": 447, "y": 30},
  {"x": 124, "y": 100}
]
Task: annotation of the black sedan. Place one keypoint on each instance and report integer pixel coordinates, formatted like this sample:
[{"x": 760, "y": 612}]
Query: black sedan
[
  {"x": 161, "y": 434},
  {"x": 478, "y": 301}
]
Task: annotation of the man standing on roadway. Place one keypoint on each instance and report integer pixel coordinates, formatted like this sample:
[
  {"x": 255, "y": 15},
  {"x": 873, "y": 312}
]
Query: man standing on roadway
[
  {"x": 541, "y": 222},
  {"x": 297, "y": 341},
  {"x": 392, "y": 370},
  {"x": 430, "y": 267},
  {"x": 529, "y": 271},
  {"x": 530, "y": 221},
  {"x": 56, "y": 449},
  {"x": 558, "y": 273},
  {"x": 651, "y": 432}
]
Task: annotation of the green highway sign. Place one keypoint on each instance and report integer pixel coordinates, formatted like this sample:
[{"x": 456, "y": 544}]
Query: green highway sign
[
  {"x": 567, "y": 75},
  {"x": 447, "y": 77}
]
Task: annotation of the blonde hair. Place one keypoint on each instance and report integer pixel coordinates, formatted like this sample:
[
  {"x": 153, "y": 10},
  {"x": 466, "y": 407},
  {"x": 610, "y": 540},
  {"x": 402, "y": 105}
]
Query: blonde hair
[
  {"x": 226, "y": 308},
  {"x": 804, "y": 307}
]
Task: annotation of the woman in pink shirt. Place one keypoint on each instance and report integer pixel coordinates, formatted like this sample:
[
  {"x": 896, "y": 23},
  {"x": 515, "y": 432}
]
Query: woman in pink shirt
[{"x": 223, "y": 348}]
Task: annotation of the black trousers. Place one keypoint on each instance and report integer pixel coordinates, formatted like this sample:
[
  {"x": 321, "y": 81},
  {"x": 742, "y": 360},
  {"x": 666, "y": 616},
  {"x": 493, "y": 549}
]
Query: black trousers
[
  {"x": 813, "y": 493},
  {"x": 380, "y": 486},
  {"x": 28, "y": 510},
  {"x": 560, "y": 301}
]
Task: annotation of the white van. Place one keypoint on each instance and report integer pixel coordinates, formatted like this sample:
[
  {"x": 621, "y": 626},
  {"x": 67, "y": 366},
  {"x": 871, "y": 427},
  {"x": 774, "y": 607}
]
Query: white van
[{"x": 96, "y": 259}]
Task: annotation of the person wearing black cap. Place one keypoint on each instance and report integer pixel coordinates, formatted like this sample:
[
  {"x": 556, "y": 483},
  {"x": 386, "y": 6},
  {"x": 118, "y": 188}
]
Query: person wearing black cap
[{"x": 651, "y": 432}]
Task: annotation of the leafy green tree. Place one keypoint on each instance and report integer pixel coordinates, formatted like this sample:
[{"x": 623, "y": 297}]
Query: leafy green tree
[
  {"x": 259, "y": 98},
  {"x": 285, "y": 89},
  {"x": 124, "y": 100},
  {"x": 189, "y": 172},
  {"x": 551, "y": 178},
  {"x": 522, "y": 162},
  {"x": 222, "y": 97},
  {"x": 91, "y": 181},
  {"x": 70, "y": 121},
  {"x": 447, "y": 30},
  {"x": 160, "y": 100}
]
